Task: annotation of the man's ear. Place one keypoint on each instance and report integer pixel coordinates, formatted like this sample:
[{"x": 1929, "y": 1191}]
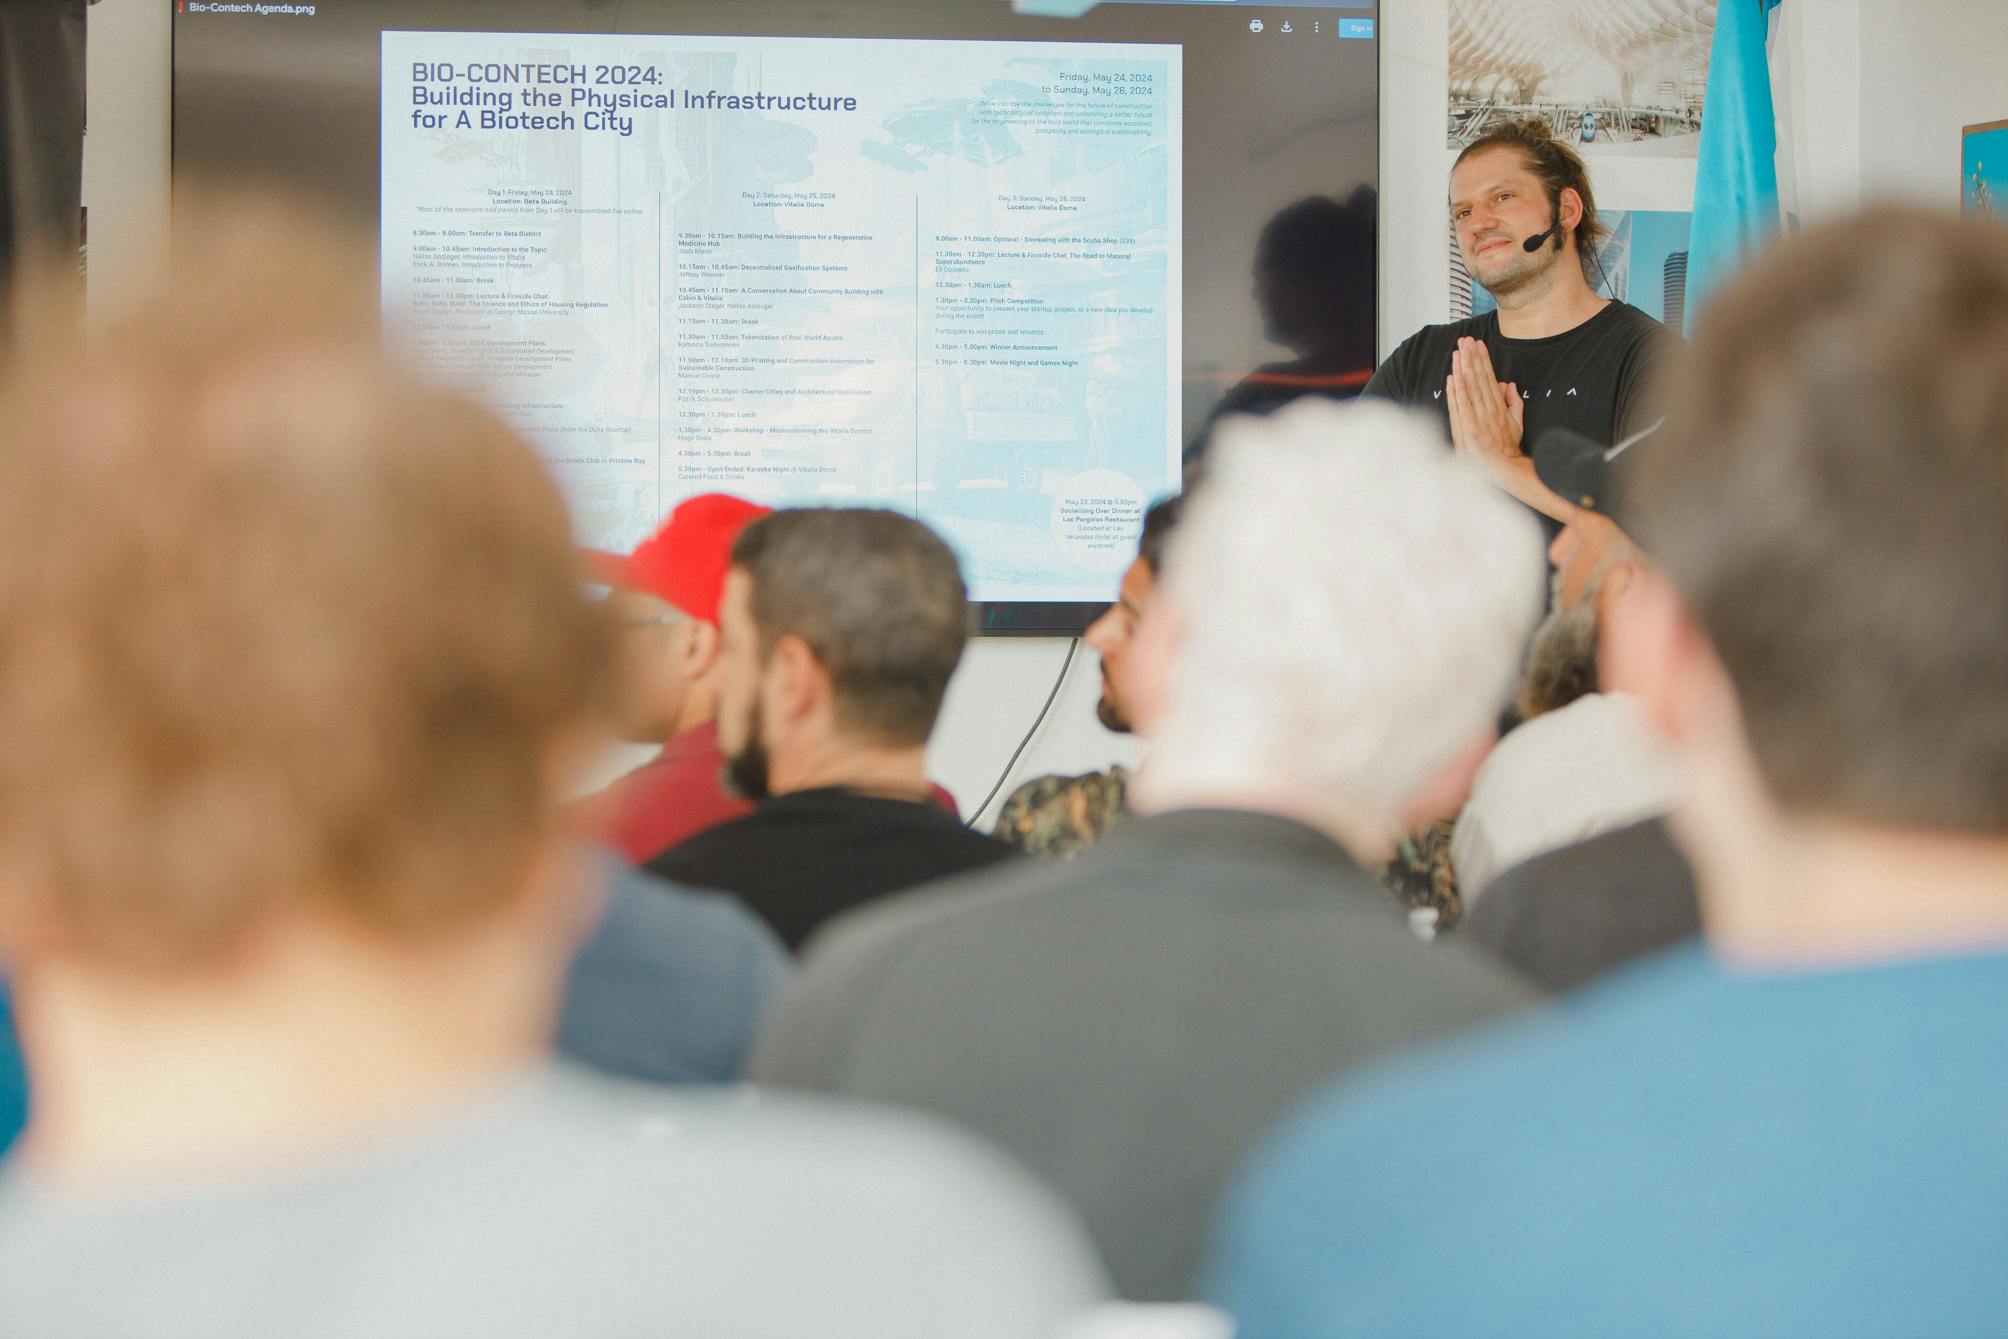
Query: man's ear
[
  {"x": 1650, "y": 646},
  {"x": 799, "y": 685},
  {"x": 1613, "y": 588},
  {"x": 700, "y": 649},
  {"x": 1569, "y": 207}
]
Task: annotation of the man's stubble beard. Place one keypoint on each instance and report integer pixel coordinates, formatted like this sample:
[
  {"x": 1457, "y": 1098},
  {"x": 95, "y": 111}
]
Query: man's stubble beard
[
  {"x": 1109, "y": 712},
  {"x": 1522, "y": 270},
  {"x": 746, "y": 771}
]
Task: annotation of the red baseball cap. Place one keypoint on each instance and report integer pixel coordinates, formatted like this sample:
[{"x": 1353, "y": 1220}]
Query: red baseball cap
[{"x": 685, "y": 561}]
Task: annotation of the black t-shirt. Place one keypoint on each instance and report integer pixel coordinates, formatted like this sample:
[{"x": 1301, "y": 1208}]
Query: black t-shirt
[
  {"x": 1594, "y": 379},
  {"x": 800, "y": 859},
  {"x": 1570, "y": 915}
]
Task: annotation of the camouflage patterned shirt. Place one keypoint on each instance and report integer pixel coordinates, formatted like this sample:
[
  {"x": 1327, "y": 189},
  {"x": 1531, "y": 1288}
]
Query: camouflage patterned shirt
[
  {"x": 1419, "y": 874},
  {"x": 1063, "y": 815}
]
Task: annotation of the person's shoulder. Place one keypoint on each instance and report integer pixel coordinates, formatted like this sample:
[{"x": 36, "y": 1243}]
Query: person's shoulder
[
  {"x": 1633, "y": 328},
  {"x": 1061, "y": 815},
  {"x": 1629, "y": 316},
  {"x": 1547, "y": 887},
  {"x": 798, "y": 1169},
  {"x": 604, "y": 1205},
  {"x": 841, "y": 813},
  {"x": 693, "y": 859},
  {"x": 585, "y": 1129},
  {"x": 1593, "y": 716},
  {"x": 723, "y": 1131},
  {"x": 961, "y": 907},
  {"x": 1567, "y": 916},
  {"x": 961, "y": 847},
  {"x": 866, "y": 1150},
  {"x": 1515, "y": 1069},
  {"x": 644, "y": 908},
  {"x": 1642, "y": 845},
  {"x": 1373, "y": 1142}
]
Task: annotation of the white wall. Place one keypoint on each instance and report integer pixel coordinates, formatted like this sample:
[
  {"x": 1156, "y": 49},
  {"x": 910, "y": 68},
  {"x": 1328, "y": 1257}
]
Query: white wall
[
  {"x": 1928, "y": 67},
  {"x": 1816, "y": 93},
  {"x": 1414, "y": 232},
  {"x": 993, "y": 701}
]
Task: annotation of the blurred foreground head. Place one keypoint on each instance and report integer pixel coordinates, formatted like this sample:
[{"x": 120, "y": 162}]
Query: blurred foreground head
[
  {"x": 285, "y": 631},
  {"x": 1342, "y": 617},
  {"x": 1831, "y": 506}
]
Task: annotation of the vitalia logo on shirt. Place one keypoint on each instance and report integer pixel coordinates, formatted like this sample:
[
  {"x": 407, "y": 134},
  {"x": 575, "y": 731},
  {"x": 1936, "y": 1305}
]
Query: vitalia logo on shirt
[{"x": 1548, "y": 394}]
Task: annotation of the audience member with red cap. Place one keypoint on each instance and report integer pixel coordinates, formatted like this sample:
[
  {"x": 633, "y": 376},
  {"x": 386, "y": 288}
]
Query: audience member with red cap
[
  {"x": 665, "y": 600},
  {"x": 683, "y": 564}
]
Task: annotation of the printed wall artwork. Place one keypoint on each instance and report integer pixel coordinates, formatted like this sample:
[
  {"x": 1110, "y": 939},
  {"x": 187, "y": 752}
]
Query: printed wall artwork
[
  {"x": 1611, "y": 76},
  {"x": 1983, "y": 169}
]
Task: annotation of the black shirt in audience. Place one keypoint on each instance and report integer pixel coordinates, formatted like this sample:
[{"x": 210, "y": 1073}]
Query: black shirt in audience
[
  {"x": 800, "y": 859},
  {"x": 1573, "y": 914}
]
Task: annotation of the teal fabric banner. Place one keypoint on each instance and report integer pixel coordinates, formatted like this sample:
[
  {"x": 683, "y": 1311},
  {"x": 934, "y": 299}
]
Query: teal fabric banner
[{"x": 1736, "y": 180}]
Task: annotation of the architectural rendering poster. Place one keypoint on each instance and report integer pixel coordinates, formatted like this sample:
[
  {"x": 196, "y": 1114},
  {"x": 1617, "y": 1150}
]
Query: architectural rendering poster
[{"x": 1611, "y": 76}]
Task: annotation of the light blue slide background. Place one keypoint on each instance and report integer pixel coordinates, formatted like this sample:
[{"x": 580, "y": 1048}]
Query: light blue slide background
[{"x": 821, "y": 307}]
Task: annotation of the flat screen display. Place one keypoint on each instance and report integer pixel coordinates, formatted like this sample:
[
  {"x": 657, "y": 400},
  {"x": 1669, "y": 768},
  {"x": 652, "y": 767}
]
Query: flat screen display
[{"x": 995, "y": 270}]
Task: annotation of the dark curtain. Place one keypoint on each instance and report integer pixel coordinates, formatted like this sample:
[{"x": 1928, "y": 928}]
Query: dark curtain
[{"x": 41, "y": 130}]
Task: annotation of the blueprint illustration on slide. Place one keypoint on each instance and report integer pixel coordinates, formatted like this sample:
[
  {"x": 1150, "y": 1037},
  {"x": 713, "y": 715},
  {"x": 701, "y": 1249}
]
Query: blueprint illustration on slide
[{"x": 940, "y": 276}]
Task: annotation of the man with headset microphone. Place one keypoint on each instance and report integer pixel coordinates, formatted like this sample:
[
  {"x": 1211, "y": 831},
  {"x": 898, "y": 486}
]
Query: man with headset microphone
[{"x": 1555, "y": 353}]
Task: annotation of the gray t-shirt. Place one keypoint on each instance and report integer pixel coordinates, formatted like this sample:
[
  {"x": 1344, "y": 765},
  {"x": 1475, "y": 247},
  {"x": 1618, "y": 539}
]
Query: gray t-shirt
[{"x": 571, "y": 1206}]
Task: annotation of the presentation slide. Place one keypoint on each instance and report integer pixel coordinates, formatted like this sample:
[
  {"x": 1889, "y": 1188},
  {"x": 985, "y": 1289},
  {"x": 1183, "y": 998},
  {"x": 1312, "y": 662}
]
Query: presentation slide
[{"x": 939, "y": 276}]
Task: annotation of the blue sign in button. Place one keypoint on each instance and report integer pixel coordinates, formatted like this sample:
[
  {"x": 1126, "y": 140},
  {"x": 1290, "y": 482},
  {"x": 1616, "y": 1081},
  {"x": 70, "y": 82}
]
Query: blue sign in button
[{"x": 1356, "y": 27}]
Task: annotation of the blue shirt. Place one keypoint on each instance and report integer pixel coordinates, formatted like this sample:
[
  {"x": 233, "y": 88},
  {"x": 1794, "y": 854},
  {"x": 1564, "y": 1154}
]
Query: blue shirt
[
  {"x": 13, "y": 1080},
  {"x": 672, "y": 986},
  {"x": 1684, "y": 1150}
]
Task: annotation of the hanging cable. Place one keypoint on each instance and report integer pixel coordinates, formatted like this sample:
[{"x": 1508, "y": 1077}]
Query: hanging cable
[{"x": 1065, "y": 665}]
